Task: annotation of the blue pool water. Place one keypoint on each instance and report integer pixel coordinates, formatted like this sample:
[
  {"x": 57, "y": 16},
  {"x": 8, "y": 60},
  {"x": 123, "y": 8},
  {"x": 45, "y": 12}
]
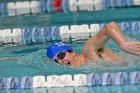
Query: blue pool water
[
  {"x": 96, "y": 89},
  {"x": 32, "y": 61}
]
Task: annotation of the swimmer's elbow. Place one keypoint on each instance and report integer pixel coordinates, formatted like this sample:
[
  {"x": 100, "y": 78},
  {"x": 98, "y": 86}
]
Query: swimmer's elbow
[{"x": 112, "y": 23}]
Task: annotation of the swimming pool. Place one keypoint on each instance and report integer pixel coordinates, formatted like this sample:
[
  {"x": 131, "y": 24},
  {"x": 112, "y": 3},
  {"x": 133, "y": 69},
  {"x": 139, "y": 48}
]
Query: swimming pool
[{"x": 32, "y": 61}]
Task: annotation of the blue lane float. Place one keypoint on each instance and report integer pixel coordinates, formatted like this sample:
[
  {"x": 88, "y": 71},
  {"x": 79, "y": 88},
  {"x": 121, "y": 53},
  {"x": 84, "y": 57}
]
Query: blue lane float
[
  {"x": 67, "y": 80},
  {"x": 25, "y": 35},
  {"x": 35, "y": 32},
  {"x": 25, "y": 82},
  {"x": 107, "y": 3},
  {"x": 12, "y": 82},
  {"x": 3, "y": 83},
  {"x": 93, "y": 79},
  {"x": 134, "y": 77},
  {"x": 3, "y": 10},
  {"x": 130, "y": 2},
  {"x": 121, "y": 3},
  {"x": 50, "y": 6},
  {"x": 64, "y": 6},
  {"x": 42, "y": 6},
  {"x": 65, "y": 32}
]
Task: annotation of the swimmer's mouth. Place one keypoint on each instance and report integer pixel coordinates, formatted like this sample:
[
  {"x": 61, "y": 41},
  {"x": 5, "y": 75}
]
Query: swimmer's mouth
[{"x": 67, "y": 62}]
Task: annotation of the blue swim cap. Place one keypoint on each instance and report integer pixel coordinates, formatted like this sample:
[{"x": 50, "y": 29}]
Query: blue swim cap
[{"x": 55, "y": 48}]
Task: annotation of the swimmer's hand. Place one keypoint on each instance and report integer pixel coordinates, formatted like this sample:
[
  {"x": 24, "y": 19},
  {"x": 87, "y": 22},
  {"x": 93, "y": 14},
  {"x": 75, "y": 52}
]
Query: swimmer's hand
[{"x": 131, "y": 47}]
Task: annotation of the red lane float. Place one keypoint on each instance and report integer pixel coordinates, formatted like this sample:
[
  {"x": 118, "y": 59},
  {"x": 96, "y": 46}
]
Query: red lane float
[{"x": 57, "y": 5}]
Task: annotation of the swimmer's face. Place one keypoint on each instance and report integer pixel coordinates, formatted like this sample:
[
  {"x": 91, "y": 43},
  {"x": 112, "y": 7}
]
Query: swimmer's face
[{"x": 64, "y": 58}]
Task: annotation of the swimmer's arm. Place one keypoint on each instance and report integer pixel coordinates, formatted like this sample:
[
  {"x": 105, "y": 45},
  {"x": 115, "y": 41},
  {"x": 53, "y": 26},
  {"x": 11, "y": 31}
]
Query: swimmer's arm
[
  {"x": 3, "y": 59},
  {"x": 110, "y": 31}
]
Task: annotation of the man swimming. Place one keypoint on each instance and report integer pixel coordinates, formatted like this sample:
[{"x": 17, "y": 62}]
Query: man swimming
[{"x": 93, "y": 48}]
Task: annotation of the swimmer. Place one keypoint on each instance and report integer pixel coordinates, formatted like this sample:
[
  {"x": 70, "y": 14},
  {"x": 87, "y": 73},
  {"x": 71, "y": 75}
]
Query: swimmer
[{"x": 94, "y": 48}]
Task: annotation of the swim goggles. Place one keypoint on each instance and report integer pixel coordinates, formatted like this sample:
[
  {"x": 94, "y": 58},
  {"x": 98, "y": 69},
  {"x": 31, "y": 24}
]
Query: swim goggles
[{"x": 61, "y": 55}]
